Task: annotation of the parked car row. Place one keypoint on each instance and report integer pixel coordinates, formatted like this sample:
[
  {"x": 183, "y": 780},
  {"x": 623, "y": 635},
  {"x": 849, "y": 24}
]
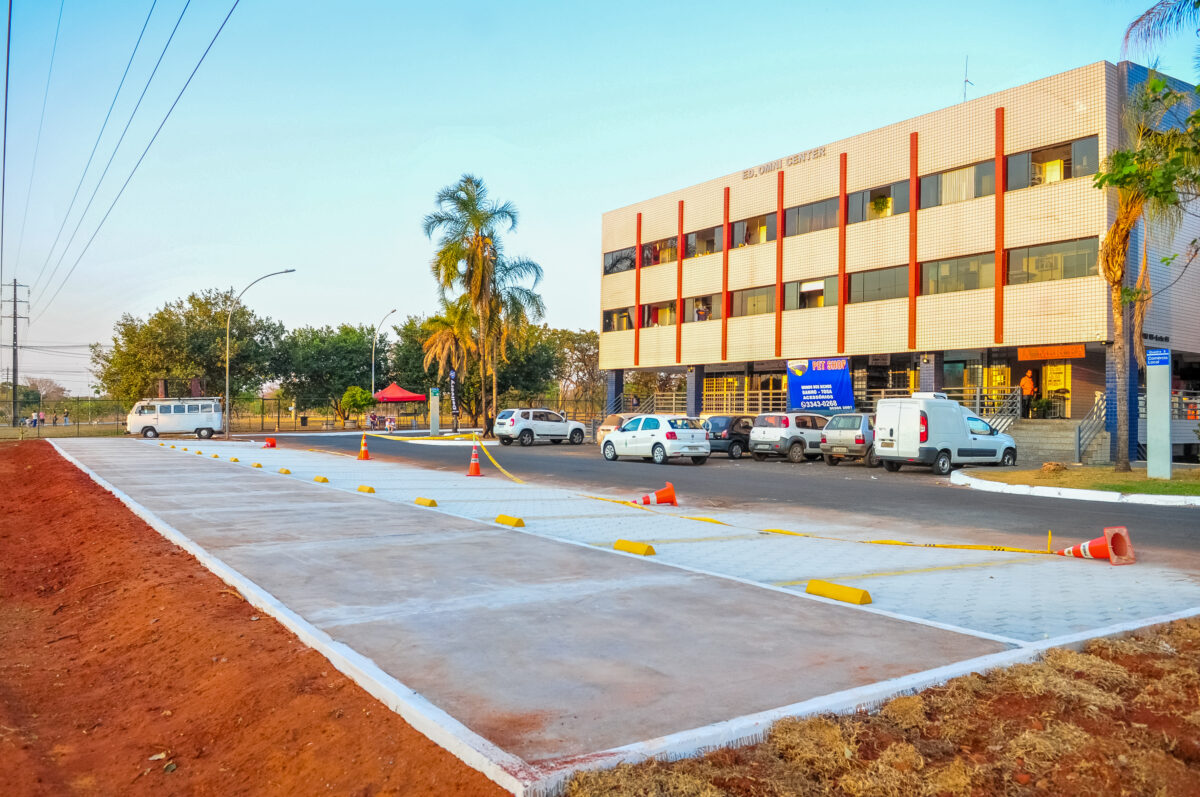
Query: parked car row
[{"x": 924, "y": 429}]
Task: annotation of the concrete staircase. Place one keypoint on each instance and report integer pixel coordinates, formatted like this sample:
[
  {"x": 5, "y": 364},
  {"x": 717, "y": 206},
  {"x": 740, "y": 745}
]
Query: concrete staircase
[{"x": 1041, "y": 441}]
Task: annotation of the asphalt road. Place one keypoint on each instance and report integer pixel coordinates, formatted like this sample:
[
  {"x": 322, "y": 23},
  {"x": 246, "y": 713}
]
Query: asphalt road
[{"x": 910, "y": 499}]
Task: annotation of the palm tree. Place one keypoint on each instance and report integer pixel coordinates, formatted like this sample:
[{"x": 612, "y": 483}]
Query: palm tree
[
  {"x": 451, "y": 339},
  {"x": 470, "y": 260},
  {"x": 1148, "y": 175},
  {"x": 1163, "y": 19},
  {"x": 470, "y": 224},
  {"x": 514, "y": 307}
]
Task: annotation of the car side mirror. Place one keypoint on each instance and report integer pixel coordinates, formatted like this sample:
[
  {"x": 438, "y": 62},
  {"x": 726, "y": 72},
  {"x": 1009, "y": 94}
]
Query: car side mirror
[{"x": 992, "y": 431}]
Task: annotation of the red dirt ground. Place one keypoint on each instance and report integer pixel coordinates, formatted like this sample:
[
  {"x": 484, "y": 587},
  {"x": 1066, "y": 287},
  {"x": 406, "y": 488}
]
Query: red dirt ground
[{"x": 128, "y": 668}]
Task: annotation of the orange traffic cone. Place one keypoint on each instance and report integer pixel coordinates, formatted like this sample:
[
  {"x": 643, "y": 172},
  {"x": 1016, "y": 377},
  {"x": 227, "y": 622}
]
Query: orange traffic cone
[
  {"x": 1113, "y": 546},
  {"x": 363, "y": 453},
  {"x": 474, "y": 469},
  {"x": 270, "y": 443},
  {"x": 664, "y": 496}
]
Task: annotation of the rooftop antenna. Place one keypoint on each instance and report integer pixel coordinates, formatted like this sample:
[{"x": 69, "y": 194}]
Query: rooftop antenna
[{"x": 966, "y": 82}]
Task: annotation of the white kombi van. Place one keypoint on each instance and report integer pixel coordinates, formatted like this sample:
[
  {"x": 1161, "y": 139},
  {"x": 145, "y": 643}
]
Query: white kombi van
[
  {"x": 198, "y": 416},
  {"x": 930, "y": 429}
]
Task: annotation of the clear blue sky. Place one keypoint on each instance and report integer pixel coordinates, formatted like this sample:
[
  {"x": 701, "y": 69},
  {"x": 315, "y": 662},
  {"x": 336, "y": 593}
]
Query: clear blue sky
[{"x": 316, "y": 134}]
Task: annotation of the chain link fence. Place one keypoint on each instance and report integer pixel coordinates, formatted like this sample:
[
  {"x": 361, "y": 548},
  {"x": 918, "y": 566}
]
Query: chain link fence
[{"x": 66, "y": 417}]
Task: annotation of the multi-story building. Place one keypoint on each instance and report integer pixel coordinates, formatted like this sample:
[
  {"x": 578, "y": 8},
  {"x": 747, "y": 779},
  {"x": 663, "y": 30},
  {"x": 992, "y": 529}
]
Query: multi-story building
[{"x": 956, "y": 250}]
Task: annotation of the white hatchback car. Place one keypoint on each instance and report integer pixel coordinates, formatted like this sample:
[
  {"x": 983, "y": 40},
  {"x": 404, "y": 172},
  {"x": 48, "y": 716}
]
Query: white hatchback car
[
  {"x": 658, "y": 438},
  {"x": 525, "y": 426}
]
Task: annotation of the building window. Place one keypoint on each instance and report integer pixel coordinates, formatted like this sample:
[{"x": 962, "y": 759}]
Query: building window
[
  {"x": 1064, "y": 260},
  {"x": 658, "y": 315},
  {"x": 756, "y": 230},
  {"x": 877, "y": 203},
  {"x": 958, "y": 274},
  {"x": 1053, "y": 164},
  {"x": 958, "y": 185},
  {"x": 985, "y": 178},
  {"x": 619, "y": 319},
  {"x": 885, "y": 283},
  {"x": 620, "y": 260},
  {"x": 752, "y": 301},
  {"x": 931, "y": 191},
  {"x": 702, "y": 308},
  {"x": 657, "y": 252},
  {"x": 807, "y": 294},
  {"x": 811, "y": 217},
  {"x": 704, "y": 242}
]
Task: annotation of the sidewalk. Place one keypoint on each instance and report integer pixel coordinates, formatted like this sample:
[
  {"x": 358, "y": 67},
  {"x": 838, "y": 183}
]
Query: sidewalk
[{"x": 545, "y": 652}]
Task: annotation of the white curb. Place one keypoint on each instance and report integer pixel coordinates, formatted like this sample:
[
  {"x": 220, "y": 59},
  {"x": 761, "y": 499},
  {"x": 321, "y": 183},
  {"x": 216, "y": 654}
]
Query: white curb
[{"x": 987, "y": 485}]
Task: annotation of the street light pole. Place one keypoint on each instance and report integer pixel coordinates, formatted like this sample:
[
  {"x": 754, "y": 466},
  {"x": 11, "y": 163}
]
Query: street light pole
[
  {"x": 228, "y": 321},
  {"x": 373, "y": 338}
]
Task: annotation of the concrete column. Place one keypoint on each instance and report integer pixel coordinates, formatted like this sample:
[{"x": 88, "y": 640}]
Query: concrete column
[
  {"x": 614, "y": 386},
  {"x": 929, "y": 376},
  {"x": 695, "y": 390}
]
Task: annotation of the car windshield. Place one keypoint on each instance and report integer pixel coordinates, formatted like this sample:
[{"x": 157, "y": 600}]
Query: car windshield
[
  {"x": 504, "y": 414},
  {"x": 844, "y": 422},
  {"x": 771, "y": 421},
  {"x": 716, "y": 424},
  {"x": 685, "y": 423}
]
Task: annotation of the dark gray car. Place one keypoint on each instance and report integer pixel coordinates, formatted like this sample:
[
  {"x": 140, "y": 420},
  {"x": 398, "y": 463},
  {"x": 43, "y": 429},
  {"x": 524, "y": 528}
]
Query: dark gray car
[{"x": 729, "y": 434}]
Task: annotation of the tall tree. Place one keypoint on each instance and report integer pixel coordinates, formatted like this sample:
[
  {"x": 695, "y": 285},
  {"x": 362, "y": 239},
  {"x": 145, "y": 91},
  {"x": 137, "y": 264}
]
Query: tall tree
[
  {"x": 319, "y": 363},
  {"x": 186, "y": 339},
  {"x": 514, "y": 307},
  {"x": 1161, "y": 21},
  {"x": 469, "y": 258}
]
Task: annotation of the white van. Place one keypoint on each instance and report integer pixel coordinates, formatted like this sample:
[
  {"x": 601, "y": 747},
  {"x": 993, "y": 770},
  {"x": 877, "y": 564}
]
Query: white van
[
  {"x": 930, "y": 429},
  {"x": 198, "y": 416}
]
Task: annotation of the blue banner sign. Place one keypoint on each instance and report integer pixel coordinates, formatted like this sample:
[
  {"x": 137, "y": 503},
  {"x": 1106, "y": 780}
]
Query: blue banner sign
[
  {"x": 1158, "y": 357},
  {"x": 820, "y": 385}
]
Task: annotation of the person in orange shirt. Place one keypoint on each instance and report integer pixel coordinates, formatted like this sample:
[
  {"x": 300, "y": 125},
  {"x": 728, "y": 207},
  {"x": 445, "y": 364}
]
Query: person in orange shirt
[{"x": 1027, "y": 391}]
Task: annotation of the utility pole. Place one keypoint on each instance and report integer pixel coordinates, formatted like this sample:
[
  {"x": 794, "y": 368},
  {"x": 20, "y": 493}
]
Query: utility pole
[{"x": 15, "y": 315}]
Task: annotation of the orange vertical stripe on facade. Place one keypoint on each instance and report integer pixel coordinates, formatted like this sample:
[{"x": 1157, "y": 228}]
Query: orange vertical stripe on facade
[
  {"x": 779, "y": 269},
  {"x": 843, "y": 282},
  {"x": 637, "y": 293},
  {"x": 1001, "y": 184},
  {"x": 725, "y": 278},
  {"x": 679, "y": 247},
  {"x": 914, "y": 278}
]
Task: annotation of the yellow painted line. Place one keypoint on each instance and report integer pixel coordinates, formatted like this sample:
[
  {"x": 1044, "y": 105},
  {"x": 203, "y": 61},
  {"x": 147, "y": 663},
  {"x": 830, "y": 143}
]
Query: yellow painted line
[
  {"x": 509, "y": 520},
  {"x": 320, "y": 480},
  {"x": 785, "y": 531},
  {"x": 365, "y": 488},
  {"x": 494, "y": 462},
  {"x": 425, "y": 502},
  {"x": 913, "y": 571},
  {"x": 704, "y": 519},
  {"x": 838, "y": 592},
  {"x": 629, "y": 546},
  {"x": 665, "y": 541},
  {"x": 331, "y": 451},
  {"x": 963, "y": 547}
]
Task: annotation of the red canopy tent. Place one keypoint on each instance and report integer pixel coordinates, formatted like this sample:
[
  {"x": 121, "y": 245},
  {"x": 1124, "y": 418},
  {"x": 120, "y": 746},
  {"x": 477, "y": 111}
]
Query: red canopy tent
[{"x": 394, "y": 392}]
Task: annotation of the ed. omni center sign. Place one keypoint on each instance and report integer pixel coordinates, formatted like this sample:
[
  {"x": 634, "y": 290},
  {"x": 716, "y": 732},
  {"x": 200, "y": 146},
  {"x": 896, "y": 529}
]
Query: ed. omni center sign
[{"x": 790, "y": 160}]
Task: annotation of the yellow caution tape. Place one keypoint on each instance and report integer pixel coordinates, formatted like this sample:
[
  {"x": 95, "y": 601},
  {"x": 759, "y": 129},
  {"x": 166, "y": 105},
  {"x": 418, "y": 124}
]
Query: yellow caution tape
[{"x": 494, "y": 462}]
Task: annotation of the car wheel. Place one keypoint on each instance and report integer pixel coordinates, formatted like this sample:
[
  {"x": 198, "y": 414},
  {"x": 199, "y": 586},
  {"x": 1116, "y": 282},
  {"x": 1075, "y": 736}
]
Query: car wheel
[
  {"x": 871, "y": 459},
  {"x": 610, "y": 452},
  {"x": 577, "y": 437},
  {"x": 556, "y": 442},
  {"x": 699, "y": 460},
  {"x": 831, "y": 461},
  {"x": 204, "y": 434},
  {"x": 795, "y": 452},
  {"x": 735, "y": 450},
  {"x": 942, "y": 464},
  {"x": 759, "y": 457},
  {"x": 891, "y": 467},
  {"x": 1009, "y": 459},
  {"x": 526, "y": 437},
  {"x": 659, "y": 454},
  {"x": 506, "y": 441},
  {"x": 149, "y": 431}
]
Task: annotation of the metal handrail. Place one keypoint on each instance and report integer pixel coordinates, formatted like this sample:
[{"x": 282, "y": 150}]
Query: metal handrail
[{"x": 1090, "y": 426}]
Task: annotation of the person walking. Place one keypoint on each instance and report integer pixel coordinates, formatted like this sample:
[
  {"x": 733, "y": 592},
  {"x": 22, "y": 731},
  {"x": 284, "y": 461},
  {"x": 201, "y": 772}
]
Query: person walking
[
  {"x": 41, "y": 418},
  {"x": 1028, "y": 389},
  {"x": 54, "y": 422},
  {"x": 66, "y": 417}
]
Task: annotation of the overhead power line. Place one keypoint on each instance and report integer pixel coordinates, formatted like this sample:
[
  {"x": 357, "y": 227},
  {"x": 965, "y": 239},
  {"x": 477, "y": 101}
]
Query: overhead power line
[
  {"x": 88, "y": 165},
  {"x": 37, "y": 147},
  {"x": 4, "y": 147},
  {"x": 153, "y": 138},
  {"x": 113, "y": 155}
]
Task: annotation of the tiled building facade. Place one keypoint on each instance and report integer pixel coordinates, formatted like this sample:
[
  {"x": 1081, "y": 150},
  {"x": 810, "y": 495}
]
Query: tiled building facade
[{"x": 950, "y": 250}]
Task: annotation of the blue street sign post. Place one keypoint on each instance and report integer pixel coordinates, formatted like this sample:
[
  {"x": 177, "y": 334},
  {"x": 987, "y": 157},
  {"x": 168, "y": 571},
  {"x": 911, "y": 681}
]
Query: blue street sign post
[{"x": 1158, "y": 413}]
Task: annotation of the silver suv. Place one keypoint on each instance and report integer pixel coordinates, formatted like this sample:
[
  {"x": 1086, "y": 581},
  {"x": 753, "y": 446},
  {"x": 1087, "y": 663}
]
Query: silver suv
[
  {"x": 795, "y": 435},
  {"x": 525, "y": 426}
]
